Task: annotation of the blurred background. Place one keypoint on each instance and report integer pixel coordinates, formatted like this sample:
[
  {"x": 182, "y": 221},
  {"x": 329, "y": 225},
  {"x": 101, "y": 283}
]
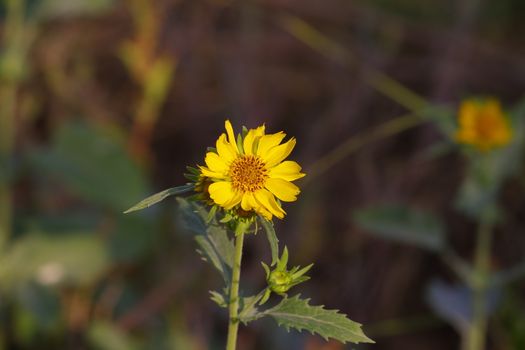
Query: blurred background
[{"x": 103, "y": 102}]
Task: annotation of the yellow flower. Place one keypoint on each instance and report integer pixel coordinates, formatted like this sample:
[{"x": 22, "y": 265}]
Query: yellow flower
[
  {"x": 483, "y": 125},
  {"x": 252, "y": 172}
]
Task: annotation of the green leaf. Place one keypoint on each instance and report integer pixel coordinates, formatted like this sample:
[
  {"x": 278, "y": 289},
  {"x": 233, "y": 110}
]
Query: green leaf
[
  {"x": 453, "y": 302},
  {"x": 215, "y": 245},
  {"x": 132, "y": 239},
  {"x": 148, "y": 202},
  {"x": 75, "y": 259},
  {"x": 272, "y": 238},
  {"x": 94, "y": 164},
  {"x": 298, "y": 314},
  {"x": 247, "y": 305},
  {"x": 402, "y": 224},
  {"x": 248, "y": 310},
  {"x": 219, "y": 299}
]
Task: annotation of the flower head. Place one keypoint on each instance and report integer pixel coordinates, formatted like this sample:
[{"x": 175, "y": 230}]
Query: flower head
[
  {"x": 249, "y": 171},
  {"x": 483, "y": 125}
]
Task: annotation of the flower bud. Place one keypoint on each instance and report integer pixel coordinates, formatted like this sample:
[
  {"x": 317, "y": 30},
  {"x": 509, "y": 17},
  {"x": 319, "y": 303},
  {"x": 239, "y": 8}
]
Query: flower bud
[{"x": 280, "y": 280}]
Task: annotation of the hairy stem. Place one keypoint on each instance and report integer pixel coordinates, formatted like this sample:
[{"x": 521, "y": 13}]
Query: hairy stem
[
  {"x": 475, "y": 337},
  {"x": 234, "y": 294}
]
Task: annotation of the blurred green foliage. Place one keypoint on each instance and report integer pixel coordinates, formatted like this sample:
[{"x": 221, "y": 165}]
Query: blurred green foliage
[
  {"x": 75, "y": 273},
  {"x": 403, "y": 224},
  {"x": 76, "y": 158}
]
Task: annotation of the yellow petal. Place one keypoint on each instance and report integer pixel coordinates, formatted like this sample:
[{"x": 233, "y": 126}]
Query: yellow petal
[
  {"x": 287, "y": 170},
  {"x": 265, "y": 213},
  {"x": 225, "y": 149},
  {"x": 267, "y": 142},
  {"x": 260, "y": 130},
  {"x": 267, "y": 200},
  {"x": 468, "y": 112},
  {"x": 466, "y": 135},
  {"x": 248, "y": 202},
  {"x": 221, "y": 192},
  {"x": 282, "y": 189},
  {"x": 216, "y": 163},
  {"x": 248, "y": 142},
  {"x": 231, "y": 135},
  {"x": 252, "y": 139},
  {"x": 493, "y": 107},
  {"x": 278, "y": 153},
  {"x": 212, "y": 174},
  {"x": 234, "y": 201}
]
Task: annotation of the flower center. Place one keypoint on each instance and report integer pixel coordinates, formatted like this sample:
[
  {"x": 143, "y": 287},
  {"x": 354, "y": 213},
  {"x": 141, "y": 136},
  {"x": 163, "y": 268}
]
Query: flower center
[
  {"x": 248, "y": 173},
  {"x": 487, "y": 126}
]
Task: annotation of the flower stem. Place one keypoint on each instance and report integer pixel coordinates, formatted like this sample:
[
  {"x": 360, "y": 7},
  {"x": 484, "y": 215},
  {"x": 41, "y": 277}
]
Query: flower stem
[
  {"x": 475, "y": 337},
  {"x": 234, "y": 293}
]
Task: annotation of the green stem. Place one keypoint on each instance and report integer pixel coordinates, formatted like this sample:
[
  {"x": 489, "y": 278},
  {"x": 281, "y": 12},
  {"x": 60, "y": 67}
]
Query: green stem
[
  {"x": 234, "y": 293},
  {"x": 475, "y": 336}
]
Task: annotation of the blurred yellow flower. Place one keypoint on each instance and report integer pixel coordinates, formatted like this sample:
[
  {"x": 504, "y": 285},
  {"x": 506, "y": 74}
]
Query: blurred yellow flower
[
  {"x": 252, "y": 172},
  {"x": 483, "y": 125}
]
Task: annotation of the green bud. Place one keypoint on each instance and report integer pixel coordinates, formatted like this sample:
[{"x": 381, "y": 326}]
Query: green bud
[{"x": 280, "y": 280}]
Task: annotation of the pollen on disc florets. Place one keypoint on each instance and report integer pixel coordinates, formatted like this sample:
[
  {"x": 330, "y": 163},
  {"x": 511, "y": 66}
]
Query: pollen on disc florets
[{"x": 248, "y": 173}]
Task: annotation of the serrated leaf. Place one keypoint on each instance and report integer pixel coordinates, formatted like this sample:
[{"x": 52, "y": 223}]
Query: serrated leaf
[
  {"x": 404, "y": 225},
  {"x": 248, "y": 307},
  {"x": 272, "y": 239},
  {"x": 154, "y": 199},
  {"x": 215, "y": 245},
  {"x": 298, "y": 314}
]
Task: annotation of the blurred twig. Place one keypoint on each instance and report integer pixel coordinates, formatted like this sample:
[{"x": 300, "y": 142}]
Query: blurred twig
[
  {"x": 382, "y": 83},
  {"x": 354, "y": 143},
  {"x": 328, "y": 47}
]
